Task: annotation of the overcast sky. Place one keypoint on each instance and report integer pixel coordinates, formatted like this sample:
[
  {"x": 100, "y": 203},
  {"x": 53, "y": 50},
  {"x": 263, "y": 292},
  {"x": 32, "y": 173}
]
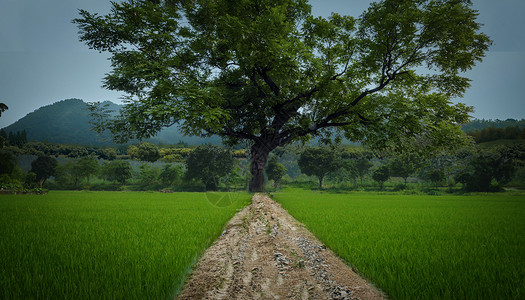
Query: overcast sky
[{"x": 42, "y": 61}]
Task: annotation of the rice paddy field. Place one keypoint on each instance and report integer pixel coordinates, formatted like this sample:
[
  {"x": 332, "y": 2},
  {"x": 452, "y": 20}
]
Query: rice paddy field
[
  {"x": 420, "y": 246},
  {"x": 106, "y": 245}
]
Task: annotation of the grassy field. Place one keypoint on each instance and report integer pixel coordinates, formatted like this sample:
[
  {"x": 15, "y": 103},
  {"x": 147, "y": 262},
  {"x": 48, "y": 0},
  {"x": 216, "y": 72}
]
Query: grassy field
[
  {"x": 105, "y": 245},
  {"x": 423, "y": 247}
]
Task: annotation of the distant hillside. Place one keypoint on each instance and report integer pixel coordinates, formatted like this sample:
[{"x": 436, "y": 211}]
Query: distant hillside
[
  {"x": 67, "y": 122},
  {"x": 478, "y": 124}
]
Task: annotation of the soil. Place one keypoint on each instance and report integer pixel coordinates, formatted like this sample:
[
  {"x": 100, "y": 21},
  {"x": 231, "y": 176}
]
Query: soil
[{"x": 264, "y": 253}]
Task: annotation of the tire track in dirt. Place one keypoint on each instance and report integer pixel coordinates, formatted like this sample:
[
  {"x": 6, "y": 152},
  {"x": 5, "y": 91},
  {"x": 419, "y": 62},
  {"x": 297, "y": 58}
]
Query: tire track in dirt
[{"x": 264, "y": 253}]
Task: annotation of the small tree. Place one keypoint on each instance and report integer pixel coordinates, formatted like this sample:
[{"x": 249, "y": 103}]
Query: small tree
[
  {"x": 318, "y": 162},
  {"x": 7, "y": 162},
  {"x": 170, "y": 174},
  {"x": 209, "y": 163},
  {"x": 436, "y": 176},
  {"x": 405, "y": 165},
  {"x": 117, "y": 170},
  {"x": 381, "y": 175},
  {"x": 44, "y": 167},
  {"x": 362, "y": 166},
  {"x": 148, "y": 152},
  {"x": 108, "y": 154},
  {"x": 275, "y": 171},
  {"x": 86, "y": 167},
  {"x": 148, "y": 177}
]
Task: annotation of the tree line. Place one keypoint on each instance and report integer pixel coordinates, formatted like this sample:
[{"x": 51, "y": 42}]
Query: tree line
[
  {"x": 209, "y": 167},
  {"x": 17, "y": 139},
  {"x": 493, "y": 134}
]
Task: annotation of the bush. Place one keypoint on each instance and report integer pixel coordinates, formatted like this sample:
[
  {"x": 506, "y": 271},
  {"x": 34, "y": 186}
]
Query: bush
[{"x": 399, "y": 187}]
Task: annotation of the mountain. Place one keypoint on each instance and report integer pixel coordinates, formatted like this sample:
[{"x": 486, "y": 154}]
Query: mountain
[{"x": 67, "y": 122}]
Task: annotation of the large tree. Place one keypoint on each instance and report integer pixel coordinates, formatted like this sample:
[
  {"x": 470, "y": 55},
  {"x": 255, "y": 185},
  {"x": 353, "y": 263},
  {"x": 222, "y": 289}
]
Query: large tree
[{"x": 269, "y": 73}]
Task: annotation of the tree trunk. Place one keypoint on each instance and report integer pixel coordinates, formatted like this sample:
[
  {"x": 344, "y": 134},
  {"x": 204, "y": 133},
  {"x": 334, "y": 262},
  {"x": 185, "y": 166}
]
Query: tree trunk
[
  {"x": 321, "y": 182},
  {"x": 259, "y": 153}
]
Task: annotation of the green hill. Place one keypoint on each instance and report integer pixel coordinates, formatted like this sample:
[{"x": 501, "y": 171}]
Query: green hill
[{"x": 67, "y": 122}]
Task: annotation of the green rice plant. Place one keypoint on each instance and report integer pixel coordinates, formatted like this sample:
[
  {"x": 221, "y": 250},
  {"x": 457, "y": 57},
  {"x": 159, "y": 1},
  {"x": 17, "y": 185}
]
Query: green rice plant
[
  {"x": 104, "y": 245},
  {"x": 423, "y": 247}
]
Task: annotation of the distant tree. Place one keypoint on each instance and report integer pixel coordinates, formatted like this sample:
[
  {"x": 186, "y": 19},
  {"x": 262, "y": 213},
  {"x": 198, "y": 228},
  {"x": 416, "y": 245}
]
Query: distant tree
[
  {"x": 117, "y": 170},
  {"x": 44, "y": 167},
  {"x": 133, "y": 152},
  {"x": 24, "y": 137},
  {"x": 7, "y": 162},
  {"x": 362, "y": 166},
  {"x": 87, "y": 166},
  {"x": 11, "y": 139},
  {"x": 318, "y": 162},
  {"x": 148, "y": 177},
  {"x": 486, "y": 171},
  {"x": 148, "y": 152},
  {"x": 347, "y": 172},
  {"x": 108, "y": 153},
  {"x": 3, "y": 138},
  {"x": 405, "y": 165},
  {"x": 209, "y": 163},
  {"x": 381, "y": 175},
  {"x": 275, "y": 171},
  {"x": 170, "y": 174},
  {"x": 30, "y": 180},
  {"x": 436, "y": 176},
  {"x": 66, "y": 173},
  {"x": 78, "y": 152}
]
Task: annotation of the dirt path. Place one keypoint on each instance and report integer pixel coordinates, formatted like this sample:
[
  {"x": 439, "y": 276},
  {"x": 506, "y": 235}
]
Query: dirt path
[{"x": 264, "y": 253}]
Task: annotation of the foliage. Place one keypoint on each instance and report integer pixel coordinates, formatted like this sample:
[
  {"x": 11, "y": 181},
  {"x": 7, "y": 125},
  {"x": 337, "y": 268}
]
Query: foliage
[
  {"x": 478, "y": 125},
  {"x": 272, "y": 74},
  {"x": 73, "y": 171},
  {"x": 405, "y": 165},
  {"x": 493, "y": 134},
  {"x": 209, "y": 163},
  {"x": 3, "y": 108},
  {"x": 318, "y": 162},
  {"x": 7, "y": 162},
  {"x": 436, "y": 176},
  {"x": 347, "y": 172},
  {"x": 177, "y": 154},
  {"x": 148, "y": 177},
  {"x": 108, "y": 153},
  {"x": 381, "y": 175},
  {"x": 116, "y": 170},
  {"x": 170, "y": 174},
  {"x": 275, "y": 170},
  {"x": 44, "y": 167},
  {"x": 148, "y": 152},
  {"x": 486, "y": 171},
  {"x": 453, "y": 246},
  {"x": 18, "y": 139},
  {"x": 362, "y": 167},
  {"x": 104, "y": 245}
]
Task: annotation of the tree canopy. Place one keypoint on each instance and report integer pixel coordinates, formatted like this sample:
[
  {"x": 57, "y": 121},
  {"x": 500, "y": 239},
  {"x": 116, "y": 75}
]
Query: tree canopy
[
  {"x": 318, "y": 162},
  {"x": 270, "y": 73},
  {"x": 209, "y": 163},
  {"x": 44, "y": 167}
]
